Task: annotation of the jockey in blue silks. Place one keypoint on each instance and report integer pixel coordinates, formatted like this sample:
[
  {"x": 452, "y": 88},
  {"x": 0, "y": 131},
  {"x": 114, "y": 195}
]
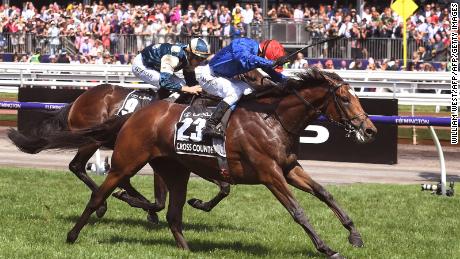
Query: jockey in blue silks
[
  {"x": 157, "y": 63},
  {"x": 241, "y": 56}
]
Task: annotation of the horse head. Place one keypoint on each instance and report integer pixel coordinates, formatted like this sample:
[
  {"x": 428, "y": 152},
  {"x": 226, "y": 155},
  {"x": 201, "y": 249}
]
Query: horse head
[{"x": 327, "y": 94}]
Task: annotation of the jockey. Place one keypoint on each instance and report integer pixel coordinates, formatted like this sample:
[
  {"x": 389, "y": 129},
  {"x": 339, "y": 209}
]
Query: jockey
[
  {"x": 156, "y": 65},
  {"x": 241, "y": 56}
]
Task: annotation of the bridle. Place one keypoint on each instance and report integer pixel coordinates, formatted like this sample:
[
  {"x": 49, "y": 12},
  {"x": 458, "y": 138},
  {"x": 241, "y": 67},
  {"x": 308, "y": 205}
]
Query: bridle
[{"x": 344, "y": 122}]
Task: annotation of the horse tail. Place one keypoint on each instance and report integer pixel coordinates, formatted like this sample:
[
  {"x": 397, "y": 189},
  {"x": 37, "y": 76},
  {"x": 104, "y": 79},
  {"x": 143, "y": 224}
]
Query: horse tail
[
  {"x": 103, "y": 135},
  {"x": 31, "y": 140}
]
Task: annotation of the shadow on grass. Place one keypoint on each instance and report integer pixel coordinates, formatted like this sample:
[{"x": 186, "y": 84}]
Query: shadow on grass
[
  {"x": 198, "y": 227},
  {"x": 435, "y": 177},
  {"x": 206, "y": 246}
]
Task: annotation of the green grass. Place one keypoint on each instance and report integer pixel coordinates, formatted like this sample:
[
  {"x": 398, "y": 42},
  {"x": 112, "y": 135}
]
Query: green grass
[
  {"x": 39, "y": 207},
  {"x": 423, "y": 108},
  {"x": 423, "y": 133},
  {"x": 8, "y": 117},
  {"x": 9, "y": 95}
]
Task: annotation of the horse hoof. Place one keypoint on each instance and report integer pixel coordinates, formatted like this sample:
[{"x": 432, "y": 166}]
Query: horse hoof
[
  {"x": 336, "y": 256},
  {"x": 71, "y": 237},
  {"x": 100, "y": 212},
  {"x": 355, "y": 239},
  {"x": 152, "y": 217},
  {"x": 198, "y": 204},
  {"x": 119, "y": 194}
]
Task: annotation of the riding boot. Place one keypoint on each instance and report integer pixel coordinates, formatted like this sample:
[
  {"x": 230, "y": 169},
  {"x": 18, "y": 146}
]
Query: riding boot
[{"x": 211, "y": 125}]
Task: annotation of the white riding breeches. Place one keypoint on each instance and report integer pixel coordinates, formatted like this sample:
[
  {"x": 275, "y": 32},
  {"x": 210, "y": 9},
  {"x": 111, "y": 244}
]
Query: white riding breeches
[
  {"x": 230, "y": 90},
  {"x": 150, "y": 76}
]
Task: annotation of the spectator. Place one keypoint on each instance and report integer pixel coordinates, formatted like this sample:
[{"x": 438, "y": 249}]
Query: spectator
[
  {"x": 430, "y": 27},
  {"x": 248, "y": 17},
  {"x": 54, "y": 33},
  {"x": 85, "y": 47},
  {"x": 329, "y": 64},
  {"x": 299, "y": 62},
  {"x": 63, "y": 57},
  {"x": 343, "y": 65},
  {"x": 227, "y": 32},
  {"x": 298, "y": 13},
  {"x": 36, "y": 57}
]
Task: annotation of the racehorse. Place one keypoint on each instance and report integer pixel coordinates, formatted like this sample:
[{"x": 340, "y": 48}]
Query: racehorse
[
  {"x": 261, "y": 141},
  {"x": 93, "y": 107}
]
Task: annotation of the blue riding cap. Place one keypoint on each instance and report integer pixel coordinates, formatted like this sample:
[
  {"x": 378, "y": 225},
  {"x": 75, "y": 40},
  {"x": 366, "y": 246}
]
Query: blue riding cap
[{"x": 200, "y": 47}]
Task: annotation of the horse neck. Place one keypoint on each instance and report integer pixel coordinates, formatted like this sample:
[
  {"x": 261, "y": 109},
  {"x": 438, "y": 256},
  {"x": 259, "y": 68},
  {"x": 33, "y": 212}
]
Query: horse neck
[{"x": 294, "y": 115}]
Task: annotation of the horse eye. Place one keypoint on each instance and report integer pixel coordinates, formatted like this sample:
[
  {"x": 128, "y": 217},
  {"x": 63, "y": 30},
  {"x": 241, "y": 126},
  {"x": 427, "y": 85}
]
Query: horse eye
[{"x": 345, "y": 99}]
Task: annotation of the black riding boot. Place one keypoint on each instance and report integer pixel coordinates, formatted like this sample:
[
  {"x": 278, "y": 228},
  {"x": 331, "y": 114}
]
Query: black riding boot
[{"x": 210, "y": 130}]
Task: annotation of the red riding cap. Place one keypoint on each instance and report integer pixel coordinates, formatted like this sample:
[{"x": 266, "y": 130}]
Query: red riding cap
[{"x": 273, "y": 50}]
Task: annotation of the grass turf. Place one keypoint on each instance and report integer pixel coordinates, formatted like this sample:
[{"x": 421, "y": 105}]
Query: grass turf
[
  {"x": 39, "y": 207},
  {"x": 8, "y": 117},
  {"x": 423, "y": 133},
  {"x": 424, "y": 108},
  {"x": 8, "y": 95}
]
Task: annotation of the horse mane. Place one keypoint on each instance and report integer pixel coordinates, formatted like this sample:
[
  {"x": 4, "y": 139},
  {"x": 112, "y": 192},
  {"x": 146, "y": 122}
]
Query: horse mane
[
  {"x": 312, "y": 76},
  {"x": 308, "y": 78}
]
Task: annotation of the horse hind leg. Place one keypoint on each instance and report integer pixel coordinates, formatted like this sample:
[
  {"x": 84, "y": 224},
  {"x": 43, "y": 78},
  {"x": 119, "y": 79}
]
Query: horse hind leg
[
  {"x": 300, "y": 179},
  {"x": 123, "y": 168},
  {"x": 77, "y": 166},
  {"x": 97, "y": 199},
  {"x": 224, "y": 191}
]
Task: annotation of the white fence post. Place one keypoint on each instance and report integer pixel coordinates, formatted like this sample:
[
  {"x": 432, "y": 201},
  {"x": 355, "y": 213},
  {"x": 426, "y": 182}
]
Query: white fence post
[{"x": 442, "y": 162}]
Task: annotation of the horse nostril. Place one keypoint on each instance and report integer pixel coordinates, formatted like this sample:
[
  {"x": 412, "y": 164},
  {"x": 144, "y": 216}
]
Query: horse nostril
[{"x": 370, "y": 132}]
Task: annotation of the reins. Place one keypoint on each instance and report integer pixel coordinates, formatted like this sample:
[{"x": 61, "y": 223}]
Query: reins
[{"x": 344, "y": 123}]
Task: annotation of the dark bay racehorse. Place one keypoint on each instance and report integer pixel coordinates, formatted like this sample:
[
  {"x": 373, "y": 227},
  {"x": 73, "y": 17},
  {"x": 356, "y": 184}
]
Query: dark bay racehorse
[
  {"x": 93, "y": 107},
  {"x": 261, "y": 141}
]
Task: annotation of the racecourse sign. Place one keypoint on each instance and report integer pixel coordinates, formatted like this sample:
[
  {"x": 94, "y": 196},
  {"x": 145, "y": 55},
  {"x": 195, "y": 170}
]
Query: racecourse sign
[
  {"x": 319, "y": 141},
  {"x": 325, "y": 141}
]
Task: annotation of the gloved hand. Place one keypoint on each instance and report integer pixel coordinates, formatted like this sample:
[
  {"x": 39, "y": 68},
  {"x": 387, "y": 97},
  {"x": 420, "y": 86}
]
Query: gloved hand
[{"x": 281, "y": 61}]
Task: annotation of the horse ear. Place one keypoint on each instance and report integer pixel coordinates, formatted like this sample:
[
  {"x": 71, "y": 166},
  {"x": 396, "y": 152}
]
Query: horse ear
[{"x": 318, "y": 73}]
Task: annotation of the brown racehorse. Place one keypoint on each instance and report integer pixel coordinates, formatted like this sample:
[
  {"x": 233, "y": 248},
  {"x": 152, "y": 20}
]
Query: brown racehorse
[
  {"x": 261, "y": 141},
  {"x": 94, "y": 107}
]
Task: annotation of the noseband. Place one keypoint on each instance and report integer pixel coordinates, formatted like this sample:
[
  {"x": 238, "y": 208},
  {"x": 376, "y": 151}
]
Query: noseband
[{"x": 344, "y": 122}]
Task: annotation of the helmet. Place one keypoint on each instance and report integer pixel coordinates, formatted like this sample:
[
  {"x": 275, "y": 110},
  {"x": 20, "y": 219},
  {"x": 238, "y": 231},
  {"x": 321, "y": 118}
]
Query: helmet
[
  {"x": 271, "y": 49},
  {"x": 199, "y": 47}
]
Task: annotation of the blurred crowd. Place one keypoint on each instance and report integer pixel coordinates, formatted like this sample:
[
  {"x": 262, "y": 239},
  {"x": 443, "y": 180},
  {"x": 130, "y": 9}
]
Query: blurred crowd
[
  {"x": 369, "y": 64},
  {"x": 95, "y": 29}
]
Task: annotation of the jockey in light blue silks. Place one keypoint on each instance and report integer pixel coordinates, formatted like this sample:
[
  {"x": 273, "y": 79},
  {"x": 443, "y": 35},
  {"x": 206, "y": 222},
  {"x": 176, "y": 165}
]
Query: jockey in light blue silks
[
  {"x": 241, "y": 56},
  {"x": 157, "y": 63}
]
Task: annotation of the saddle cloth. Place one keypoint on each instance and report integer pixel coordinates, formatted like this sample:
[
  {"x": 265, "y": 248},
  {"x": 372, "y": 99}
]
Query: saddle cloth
[
  {"x": 188, "y": 138},
  {"x": 134, "y": 101}
]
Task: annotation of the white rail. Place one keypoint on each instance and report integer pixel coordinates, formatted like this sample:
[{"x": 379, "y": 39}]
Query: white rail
[{"x": 401, "y": 85}]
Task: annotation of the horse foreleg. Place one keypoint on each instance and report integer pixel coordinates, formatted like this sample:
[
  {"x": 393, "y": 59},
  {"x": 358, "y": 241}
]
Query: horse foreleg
[
  {"x": 224, "y": 191},
  {"x": 176, "y": 179},
  {"x": 160, "y": 190},
  {"x": 279, "y": 187},
  {"x": 298, "y": 178},
  {"x": 77, "y": 166},
  {"x": 135, "y": 199}
]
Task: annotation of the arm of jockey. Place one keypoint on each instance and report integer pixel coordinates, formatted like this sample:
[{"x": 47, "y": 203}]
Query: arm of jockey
[
  {"x": 275, "y": 76},
  {"x": 168, "y": 64},
  {"x": 253, "y": 61},
  {"x": 189, "y": 76}
]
